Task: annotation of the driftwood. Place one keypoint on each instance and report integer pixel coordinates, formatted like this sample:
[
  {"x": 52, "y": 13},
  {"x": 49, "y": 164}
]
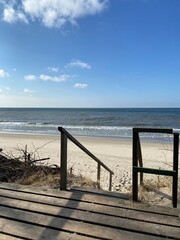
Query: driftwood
[
  {"x": 14, "y": 169},
  {"x": 30, "y": 169}
]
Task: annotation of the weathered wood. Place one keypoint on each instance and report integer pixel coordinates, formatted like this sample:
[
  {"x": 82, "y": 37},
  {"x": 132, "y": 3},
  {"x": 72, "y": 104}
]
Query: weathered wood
[
  {"x": 72, "y": 226},
  {"x": 76, "y": 142},
  {"x": 25, "y": 153},
  {"x": 110, "y": 182},
  {"x": 63, "y": 171},
  {"x": 64, "y": 134},
  {"x": 132, "y": 214},
  {"x": 88, "y": 198},
  {"x": 91, "y": 224},
  {"x": 22, "y": 230},
  {"x": 175, "y": 168},
  {"x": 154, "y": 171},
  {"x": 139, "y": 153},
  {"x": 98, "y": 174},
  {"x": 154, "y": 130},
  {"x": 135, "y": 164},
  {"x": 8, "y": 237},
  {"x": 103, "y": 193},
  {"x": 32, "y": 213}
]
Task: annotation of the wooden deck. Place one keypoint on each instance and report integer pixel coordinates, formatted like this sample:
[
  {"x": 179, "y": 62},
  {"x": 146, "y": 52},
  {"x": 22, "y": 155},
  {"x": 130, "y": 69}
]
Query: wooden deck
[{"x": 32, "y": 213}]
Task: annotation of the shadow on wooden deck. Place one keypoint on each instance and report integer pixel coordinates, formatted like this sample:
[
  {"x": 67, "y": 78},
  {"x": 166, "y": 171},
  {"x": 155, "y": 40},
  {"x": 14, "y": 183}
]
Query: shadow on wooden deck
[{"x": 36, "y": 213}]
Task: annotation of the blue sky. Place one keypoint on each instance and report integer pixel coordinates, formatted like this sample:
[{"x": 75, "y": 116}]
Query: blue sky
[{"x": 90, "y": 53}]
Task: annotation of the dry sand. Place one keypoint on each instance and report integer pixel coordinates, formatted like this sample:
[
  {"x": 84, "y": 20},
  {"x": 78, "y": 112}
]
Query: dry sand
[{"x": 116, "y": 154}]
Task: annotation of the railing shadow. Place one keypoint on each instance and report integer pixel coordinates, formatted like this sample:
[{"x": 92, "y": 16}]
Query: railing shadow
[{"x": 60, "y": 220}]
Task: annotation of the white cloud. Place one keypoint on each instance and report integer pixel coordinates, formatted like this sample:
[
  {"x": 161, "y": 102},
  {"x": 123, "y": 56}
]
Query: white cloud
[
  {"x": 81, "y": 85},
  {"x": 61, "y": 78},
  {"x": 30, "y": 77},
  {"x": 11, "y": 15},
  {"x": 52, "y": 13},
  {"x": 26, "y": 90},
  {"x": 78, "y": 63},
  {"x": 3, "y": 74},
  {"x": 53, "y": 69}
]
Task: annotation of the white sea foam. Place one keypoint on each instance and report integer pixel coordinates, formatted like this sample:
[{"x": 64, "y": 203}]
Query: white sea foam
[{"x": 89, "y": 122}]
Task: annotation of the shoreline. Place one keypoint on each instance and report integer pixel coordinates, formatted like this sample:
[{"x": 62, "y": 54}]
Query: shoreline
[
  {"x": 152, "y": 140},
  {"x": 94, "y": 142}
]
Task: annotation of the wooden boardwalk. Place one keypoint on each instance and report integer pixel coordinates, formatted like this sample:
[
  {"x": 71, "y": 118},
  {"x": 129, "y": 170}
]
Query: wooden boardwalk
[{"x": 32, "y": 213}]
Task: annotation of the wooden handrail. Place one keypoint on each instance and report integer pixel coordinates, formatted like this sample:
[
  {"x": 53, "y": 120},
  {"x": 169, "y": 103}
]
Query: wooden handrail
[
  {"x": 64, "y": 136},
  {"x": 153, "y": 130},
  {"x": 137, "y": 156}
]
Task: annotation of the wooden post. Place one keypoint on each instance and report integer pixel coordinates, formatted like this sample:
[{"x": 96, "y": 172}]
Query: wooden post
[
  {"x": 135, "y": 164},
  {"x": 139, "y": 154},
  {"x": 110, "y": 182},
  {"x": 98, "y": 174},
  {"x": 175, "y": 168},
  {"x": 63, "y": 171},
  {"x": 25, "y": 153}
]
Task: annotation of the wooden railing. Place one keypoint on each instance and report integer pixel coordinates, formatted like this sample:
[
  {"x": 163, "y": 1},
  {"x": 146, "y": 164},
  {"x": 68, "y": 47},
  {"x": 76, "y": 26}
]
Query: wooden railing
[
  {"x": 64, "y": 136},
  {"x": 137, "y": 157}
]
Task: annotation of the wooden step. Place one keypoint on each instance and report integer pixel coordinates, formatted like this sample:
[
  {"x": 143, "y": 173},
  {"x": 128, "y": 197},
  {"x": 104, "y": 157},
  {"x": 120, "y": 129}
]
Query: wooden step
[{"x": 36, "y": 213}]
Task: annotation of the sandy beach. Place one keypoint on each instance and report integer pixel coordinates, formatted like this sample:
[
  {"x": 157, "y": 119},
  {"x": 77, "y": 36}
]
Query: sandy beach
[{"x": 115, "y": 153}]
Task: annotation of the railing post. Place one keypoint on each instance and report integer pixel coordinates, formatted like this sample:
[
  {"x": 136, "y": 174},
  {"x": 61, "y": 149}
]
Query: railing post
[
  {"x": 63, "y": 171},
  {"x": 139, "y": 155},
  {"x": 135, "y": 164},
  {"x": 98, "y": 175},
  {"x": 175, "y": 168},
  {"x": 110, "y": 182}
]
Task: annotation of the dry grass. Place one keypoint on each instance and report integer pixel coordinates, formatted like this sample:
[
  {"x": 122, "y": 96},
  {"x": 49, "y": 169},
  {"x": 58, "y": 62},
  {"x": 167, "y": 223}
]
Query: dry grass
[
  {"x": 36, "y": 173},
  {"x": 41, "y": 179},
  {"x": 157, "y": 191},
  {"x": 162, "y": 182},
  {"x": 80, "y": 181}
]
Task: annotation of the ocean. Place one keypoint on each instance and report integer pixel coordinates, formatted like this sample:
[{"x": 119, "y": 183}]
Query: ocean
[{"x": 91, "y": 122}]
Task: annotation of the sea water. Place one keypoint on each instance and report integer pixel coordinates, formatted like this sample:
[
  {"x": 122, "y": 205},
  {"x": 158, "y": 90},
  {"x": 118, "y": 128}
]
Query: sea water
[{"x": 91, "y": 122}]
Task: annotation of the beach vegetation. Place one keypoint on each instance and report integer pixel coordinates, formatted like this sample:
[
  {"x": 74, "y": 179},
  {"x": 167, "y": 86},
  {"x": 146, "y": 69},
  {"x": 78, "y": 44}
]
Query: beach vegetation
[
  {"x": 29, "y": 169},
  {"x": 157, "y": 191}
]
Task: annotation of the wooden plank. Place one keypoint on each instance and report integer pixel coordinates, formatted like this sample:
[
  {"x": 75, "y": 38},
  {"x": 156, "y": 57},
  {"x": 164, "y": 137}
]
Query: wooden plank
[
  {"x": 20, "y": 229},
  {"x": 26, "y": 231},
  {"x": 110, "y": 181},
  {"x": 149, "y": 228},
  {"x": 73, "y": 226},
  {"x": 135, "y": 164},
  {"x": 140, "y": 158},
  {"x": 154, "y": 171},
  {"x": 100, "y": 192},
  {"x": 61, "y": 201},
  {"x": 4, "y": 236},
  {"x": 89, "y": 198},
  {"x": 91, "y": 207},
  {"x": 175, "y": 168},
  {"x": 154, "y": 130},
  {"x": 98, "y": 174},
  {"x": 63, "y": 169}
]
